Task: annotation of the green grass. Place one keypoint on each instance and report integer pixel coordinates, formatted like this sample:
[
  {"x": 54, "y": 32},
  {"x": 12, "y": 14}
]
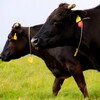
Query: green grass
[{"x": 21, "y": 80}]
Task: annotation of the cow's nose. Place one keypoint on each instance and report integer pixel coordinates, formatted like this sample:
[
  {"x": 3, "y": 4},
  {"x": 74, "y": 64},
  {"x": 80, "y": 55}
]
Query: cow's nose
[{"x": 34, "y": 41}]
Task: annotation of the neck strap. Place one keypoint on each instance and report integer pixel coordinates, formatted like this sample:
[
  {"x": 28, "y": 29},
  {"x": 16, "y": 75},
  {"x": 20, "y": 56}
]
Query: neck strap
[
  {"x": 80, "y": 26},
  {"x": 29, "y": 37}
]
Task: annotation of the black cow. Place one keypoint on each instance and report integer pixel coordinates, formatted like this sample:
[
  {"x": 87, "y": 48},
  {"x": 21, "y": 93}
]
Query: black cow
[
  {"x": 62, "y": 65},
  {"x": 77, "y": 28}
]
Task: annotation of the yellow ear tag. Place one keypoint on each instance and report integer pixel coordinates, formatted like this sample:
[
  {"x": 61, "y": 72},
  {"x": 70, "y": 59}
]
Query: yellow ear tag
[
  {"x": 30, "y": 59},
  {"x": 78, "y": 19},
  {"x": 14, "y": 37}
]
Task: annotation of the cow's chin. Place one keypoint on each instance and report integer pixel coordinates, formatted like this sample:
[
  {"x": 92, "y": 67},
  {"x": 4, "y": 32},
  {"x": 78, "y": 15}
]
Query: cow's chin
[
  {"x": 45, "y": 46},
  {"x": 5, "y": 59},
  {"x": 36, "y": 48}
]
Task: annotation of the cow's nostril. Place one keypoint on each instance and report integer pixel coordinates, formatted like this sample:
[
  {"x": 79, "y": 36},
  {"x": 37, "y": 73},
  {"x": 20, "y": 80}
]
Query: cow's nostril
[{"x": 34, "y": 41}]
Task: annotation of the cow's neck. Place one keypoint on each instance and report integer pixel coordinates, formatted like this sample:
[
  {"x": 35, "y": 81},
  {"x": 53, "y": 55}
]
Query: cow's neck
[{"x": 79, "y": 37}]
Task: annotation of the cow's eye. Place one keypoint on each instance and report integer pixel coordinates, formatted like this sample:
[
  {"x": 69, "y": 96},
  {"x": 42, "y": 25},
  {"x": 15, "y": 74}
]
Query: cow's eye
[
  {"x": 9, "y": 36},
  {"x": 57, "y": 22}
]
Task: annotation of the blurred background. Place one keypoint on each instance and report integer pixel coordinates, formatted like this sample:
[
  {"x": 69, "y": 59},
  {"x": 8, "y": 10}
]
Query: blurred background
[{"x": 31, "y": 12}]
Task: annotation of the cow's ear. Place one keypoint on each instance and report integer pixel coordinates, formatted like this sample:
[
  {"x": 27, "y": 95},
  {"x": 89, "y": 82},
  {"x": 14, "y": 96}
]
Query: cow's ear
[{"x": 78, "y": 15}]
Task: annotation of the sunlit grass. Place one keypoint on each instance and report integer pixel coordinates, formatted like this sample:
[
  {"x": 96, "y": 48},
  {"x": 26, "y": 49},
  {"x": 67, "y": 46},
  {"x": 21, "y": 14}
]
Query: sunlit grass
[{"x": 21, "y": 80}]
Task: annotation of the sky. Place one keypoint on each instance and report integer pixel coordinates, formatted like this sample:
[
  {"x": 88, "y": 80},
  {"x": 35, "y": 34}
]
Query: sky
[{"x": 31, "y": 12}]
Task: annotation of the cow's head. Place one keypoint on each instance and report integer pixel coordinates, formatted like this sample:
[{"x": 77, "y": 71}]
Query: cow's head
[
  {"x": 16, "y": 44},
  {"x": 59, "y": 28}
]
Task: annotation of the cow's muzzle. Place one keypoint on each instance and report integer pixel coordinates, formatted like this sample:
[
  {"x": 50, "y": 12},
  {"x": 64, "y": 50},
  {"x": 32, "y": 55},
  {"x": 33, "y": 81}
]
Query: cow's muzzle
[{"x": 34, "y": 42}]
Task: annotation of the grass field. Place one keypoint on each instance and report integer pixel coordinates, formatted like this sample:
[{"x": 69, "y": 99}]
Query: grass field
[{"x": 21, "y": 80}]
